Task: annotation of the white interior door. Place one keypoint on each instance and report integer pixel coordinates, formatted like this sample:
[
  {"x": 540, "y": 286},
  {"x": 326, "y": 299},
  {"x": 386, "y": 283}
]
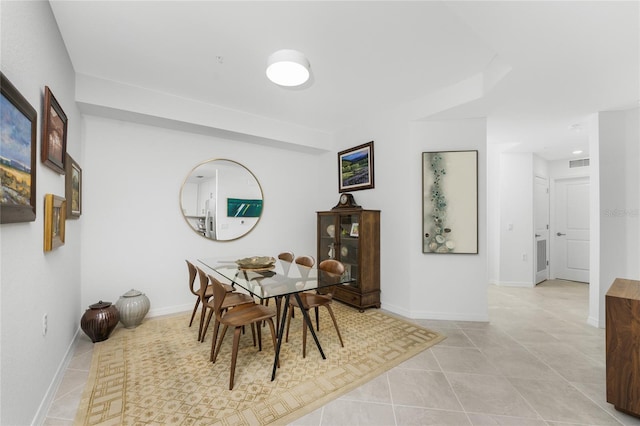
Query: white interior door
[
  {"x": 570, "y": 249},
  {"x": 541, "y": 225}
]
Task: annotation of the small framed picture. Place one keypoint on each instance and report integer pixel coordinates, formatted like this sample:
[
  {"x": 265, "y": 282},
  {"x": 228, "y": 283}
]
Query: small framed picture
[
  {"x": 355, "y": 168},
  {"x": 55, "y": 212},
  {"x": 54, "y": 134},
  {"x": 354, "y": 230},
  {"x": 73, "y": 188}
]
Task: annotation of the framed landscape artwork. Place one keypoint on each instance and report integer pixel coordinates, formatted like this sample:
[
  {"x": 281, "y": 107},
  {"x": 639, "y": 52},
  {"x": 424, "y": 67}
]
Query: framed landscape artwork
[
  {"x": 54, "y": 134},
  {"x": 73, "y": 188},
  {"x": 355, "y": 166},
  {"x": 18, "y": 121},
  {"x": 55, "y": 212},
  {"x": 450, "y": 202}
]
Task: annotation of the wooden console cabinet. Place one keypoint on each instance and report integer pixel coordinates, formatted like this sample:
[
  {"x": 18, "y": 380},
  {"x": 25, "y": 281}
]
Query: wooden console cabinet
[
  {"x": 352, "y": 236},
  {"x": 623, "y": 345}
]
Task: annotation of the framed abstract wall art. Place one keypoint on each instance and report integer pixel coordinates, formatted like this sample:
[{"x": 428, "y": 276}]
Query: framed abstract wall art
[
  {"x": 73, "y": 188},
  {"x": 450, "y": 202},
  {"x": 18, "y": 123},
  {"x": 54, "y": 134},
  {"x": 55, "y": 212},
  {"x": 355, "y": 166}
]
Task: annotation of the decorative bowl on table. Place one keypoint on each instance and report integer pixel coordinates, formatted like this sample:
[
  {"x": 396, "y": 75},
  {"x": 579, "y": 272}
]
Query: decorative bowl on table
[{"x": 256, "y": 262}]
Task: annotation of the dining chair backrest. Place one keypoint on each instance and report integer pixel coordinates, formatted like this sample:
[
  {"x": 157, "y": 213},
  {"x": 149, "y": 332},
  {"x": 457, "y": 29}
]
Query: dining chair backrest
[
  {"x": 204, "y": 282},
  {"x": 192, "y": 277},
  {"x": 307, "y": 261},
  {"x": 219, "y": 293},
  {"x": 287, "y": 256},
  {"x": 332, "y": 266}
]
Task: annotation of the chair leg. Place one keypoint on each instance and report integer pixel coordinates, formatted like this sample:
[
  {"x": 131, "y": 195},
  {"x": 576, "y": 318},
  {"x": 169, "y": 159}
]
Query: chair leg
[
  {"x": 216, "y": 327},
  {"x": 317, "y": 319},
  {"x": 335, "y": 323},
  {"x": 215, "y": 355},
  {"x": 278, "y": 308},
  {"x": 206, "y": 326},
  {"x": 289, "y": 316},
  {"x": 253, "y": 332},
  {"x": 259, "y": 336},
  {"x": 195, "y": 308},
  {"x": 234, "y": 355},
  {"x": 202, "y": 314}
]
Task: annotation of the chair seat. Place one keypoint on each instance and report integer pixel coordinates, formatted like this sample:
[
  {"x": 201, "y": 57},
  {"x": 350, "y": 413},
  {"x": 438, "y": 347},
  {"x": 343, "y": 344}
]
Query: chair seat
[
  {"x": 233, "y": 299},
  {"x": 245, "y": 315},
  {"x": 311, "y": 300},
  {"x": 209, "y": 290}
]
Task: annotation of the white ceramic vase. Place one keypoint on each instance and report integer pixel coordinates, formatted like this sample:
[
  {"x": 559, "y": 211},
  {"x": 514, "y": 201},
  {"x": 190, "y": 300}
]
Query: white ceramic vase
[{"x": 132, "y": 306}]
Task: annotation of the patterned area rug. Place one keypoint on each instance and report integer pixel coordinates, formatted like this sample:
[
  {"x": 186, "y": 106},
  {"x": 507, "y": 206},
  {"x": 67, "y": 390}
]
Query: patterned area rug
[{"x": 158, "y": 373}]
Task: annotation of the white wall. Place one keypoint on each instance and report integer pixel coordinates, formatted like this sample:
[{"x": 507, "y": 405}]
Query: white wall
[
  {"x": 415, "y": 284},
  {"x": 450, "y": 286},
  {"x": 33, "y": 282},
  {"x": 618, "y": 215},
  {"x": 134, "y": 233},
  {"x": 516, "y": 219}
]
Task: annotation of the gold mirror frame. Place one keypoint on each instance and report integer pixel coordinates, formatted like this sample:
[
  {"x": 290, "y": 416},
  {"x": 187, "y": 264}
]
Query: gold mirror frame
[{"x": 221, "y": 200}]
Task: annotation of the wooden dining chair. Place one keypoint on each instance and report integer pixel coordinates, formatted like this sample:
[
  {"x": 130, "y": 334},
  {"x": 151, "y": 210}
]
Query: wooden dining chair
[
  {"x": 313, "y": 300},
  {"x": 234, "y": 299},
  {"x": 285, "y": 256},
  {"x": 238, "y": 317},
  {"x": 193, "y": 272},
  {"x": 192, "y": 278}
]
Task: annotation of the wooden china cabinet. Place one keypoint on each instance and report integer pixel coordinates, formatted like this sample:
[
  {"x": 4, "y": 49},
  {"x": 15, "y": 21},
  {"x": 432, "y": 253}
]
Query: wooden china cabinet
[{"x": 351, "y": 235}]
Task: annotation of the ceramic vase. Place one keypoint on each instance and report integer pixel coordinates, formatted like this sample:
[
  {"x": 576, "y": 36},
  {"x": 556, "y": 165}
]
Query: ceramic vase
[
  {"x": 132, "y": 306},
  {"x": 99, "y": 321}
]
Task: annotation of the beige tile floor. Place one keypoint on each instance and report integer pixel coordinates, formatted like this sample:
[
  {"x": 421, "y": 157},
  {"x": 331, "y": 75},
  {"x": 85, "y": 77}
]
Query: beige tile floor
[{"x": 536, "y": 362}]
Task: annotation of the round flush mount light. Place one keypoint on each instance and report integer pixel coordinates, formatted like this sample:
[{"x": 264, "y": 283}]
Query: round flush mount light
[{"x": 288, "y": 68}]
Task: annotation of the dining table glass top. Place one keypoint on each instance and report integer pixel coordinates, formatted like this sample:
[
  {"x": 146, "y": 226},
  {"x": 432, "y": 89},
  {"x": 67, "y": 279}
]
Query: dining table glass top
[{"x": 279, "y": 279}]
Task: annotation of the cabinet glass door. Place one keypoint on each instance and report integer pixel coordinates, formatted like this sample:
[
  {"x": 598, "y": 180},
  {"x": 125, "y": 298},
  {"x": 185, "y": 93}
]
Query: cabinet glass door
[
  {"x": 347, "y": 252},
  {"x": 328, "y": 232},
  {"x": 339, "y": 240}
]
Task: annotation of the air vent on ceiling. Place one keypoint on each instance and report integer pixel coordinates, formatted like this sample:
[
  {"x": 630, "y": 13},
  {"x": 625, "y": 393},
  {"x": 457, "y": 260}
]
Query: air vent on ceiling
[{"x": 583, "y": 162}]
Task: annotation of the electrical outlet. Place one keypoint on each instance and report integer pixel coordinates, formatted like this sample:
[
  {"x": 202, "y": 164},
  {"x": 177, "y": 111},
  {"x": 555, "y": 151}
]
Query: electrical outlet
[
  {"x": 524, "y": 256},
  {"x": 45, "y": 324}
]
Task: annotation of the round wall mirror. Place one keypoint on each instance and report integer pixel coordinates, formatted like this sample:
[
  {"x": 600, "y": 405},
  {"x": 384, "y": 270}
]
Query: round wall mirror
[{"x": 221, "y": 200}]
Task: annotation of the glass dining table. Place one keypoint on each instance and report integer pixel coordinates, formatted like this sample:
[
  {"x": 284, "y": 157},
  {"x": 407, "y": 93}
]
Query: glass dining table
[{"x": 281, "y": 281}]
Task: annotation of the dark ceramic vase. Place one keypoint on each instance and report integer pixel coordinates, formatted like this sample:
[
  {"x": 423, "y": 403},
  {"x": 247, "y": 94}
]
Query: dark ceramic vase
[{"x": 99, "y": 321}]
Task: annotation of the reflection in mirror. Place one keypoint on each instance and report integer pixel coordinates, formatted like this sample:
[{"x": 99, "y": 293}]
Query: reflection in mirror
[{"x": 221, "y": 200}]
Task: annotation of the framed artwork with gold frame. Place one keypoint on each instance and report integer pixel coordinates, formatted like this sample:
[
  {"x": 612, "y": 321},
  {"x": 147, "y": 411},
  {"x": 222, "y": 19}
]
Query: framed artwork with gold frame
[{"x": 55, "y": 213}]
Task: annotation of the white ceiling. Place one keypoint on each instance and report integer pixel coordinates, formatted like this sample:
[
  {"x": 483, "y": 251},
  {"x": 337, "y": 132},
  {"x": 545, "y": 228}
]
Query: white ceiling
[{"x": 567, "y": 59}]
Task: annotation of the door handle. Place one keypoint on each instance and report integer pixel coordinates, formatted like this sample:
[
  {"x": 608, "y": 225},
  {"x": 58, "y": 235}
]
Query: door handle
[
  {"x": 538, "y": 235},
  {"x": 560, "y": 234}
]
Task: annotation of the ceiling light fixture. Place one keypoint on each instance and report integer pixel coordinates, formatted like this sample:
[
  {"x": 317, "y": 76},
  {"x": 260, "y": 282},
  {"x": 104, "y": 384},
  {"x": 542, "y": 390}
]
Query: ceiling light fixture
[{"x": 288, "y": 68}]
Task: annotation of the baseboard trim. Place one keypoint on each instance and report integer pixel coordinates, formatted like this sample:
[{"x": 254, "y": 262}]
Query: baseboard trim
[
  {"x": 515, "y": 284},
  {"x": 45, "y": 404},
  {"x": 429, "y": 315}
]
